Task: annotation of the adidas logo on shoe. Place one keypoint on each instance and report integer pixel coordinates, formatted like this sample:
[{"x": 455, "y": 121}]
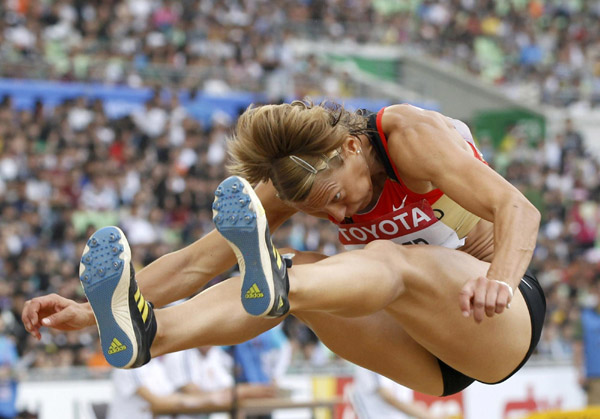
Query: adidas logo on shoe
[
  {"x": 116, "y": 346},
  {"x": 254, "y": 292}
]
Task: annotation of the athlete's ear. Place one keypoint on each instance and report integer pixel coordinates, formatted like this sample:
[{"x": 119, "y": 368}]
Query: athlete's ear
[{"x": 352, "y": 145}]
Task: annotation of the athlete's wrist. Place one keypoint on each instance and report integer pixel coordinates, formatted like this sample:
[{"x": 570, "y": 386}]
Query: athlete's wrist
[
  {"x": 89, "y": 313},
  {"x": 507, "y": 285},
  {"x": 510, "y": 289}
]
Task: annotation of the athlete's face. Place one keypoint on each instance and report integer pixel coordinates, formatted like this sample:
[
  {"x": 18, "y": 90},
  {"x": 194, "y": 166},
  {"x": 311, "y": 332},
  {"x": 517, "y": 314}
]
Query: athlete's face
[{"x": 343, "y": 191}]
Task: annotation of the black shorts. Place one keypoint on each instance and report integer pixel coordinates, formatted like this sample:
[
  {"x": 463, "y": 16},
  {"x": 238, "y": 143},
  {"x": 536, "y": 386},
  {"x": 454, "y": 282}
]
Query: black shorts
[{"x": 455, "y": 381}]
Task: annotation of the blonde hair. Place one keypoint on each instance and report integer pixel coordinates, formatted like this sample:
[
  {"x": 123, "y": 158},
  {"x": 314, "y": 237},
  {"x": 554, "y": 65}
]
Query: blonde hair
[{"x": 266, "y": 136}]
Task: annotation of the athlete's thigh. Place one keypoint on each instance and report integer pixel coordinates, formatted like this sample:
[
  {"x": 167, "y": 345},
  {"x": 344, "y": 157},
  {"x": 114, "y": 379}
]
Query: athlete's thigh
[
  {"x": 429, "y": 311},
  {"x": 379, "y": 343}
]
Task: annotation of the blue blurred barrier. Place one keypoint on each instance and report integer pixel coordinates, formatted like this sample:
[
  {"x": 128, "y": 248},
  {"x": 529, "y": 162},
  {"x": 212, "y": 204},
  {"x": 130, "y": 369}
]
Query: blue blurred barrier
[{"x": 120, "y": 101}]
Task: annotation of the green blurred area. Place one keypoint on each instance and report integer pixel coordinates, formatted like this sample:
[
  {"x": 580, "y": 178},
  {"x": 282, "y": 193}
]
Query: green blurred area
[
  {"x": 382, "y": 68},
  {"x": 503, "y": 127}
]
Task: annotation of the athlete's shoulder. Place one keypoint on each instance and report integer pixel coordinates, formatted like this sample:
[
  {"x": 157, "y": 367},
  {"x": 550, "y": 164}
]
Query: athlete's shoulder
[
  {"x": 413, "y": 136},
  {"x": 406, "y": 117}
]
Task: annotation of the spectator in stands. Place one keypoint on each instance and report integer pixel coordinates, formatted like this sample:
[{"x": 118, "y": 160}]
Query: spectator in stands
[
  {"x": 262, "y": 360},
  {"x": 151, "y": 120},
  {"x": 573, "y": 143},
  {"x": 587, "y": 342},
  {"x": 147, "y": 393},
  {"x": 374, "y": 397},
  {"x": 8, "y": 379},
  {"x": 204, "y": 369},
  {"x": 306, "y": 346},
  {"x": 554, "y": 345},
  {"x": 208, "y": 371}
]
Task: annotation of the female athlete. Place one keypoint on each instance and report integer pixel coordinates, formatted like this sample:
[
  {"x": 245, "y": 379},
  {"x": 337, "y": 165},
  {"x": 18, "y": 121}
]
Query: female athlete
[{"x": 401, "y": 176}]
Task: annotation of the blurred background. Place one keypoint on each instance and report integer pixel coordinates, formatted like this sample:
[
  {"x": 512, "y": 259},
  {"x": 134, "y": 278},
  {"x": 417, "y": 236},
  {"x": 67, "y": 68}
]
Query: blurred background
[{"x": 117, "y": 111}]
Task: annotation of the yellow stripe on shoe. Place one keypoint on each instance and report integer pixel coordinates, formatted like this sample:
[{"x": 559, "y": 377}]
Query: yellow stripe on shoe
[
  {"x": 145, "y": 313},
  {"x": 279, "y": 262},
  {"x": 141, "y": 303}
]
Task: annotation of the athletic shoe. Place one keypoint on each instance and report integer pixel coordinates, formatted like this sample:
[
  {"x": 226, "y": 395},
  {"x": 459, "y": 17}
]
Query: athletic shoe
[
  {"x": 240, "y": 218},
  {"x": 126, "y": 321}
]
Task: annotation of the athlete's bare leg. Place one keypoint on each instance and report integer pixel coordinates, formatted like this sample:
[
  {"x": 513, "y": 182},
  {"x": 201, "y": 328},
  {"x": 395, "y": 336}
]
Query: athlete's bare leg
[
  {"x": 192, "y": 267},
  {"x": 377, "y": 341},
  {"x": 419, "y": 286},
  {"x": 213, "y": 317},
  {"x": 421, "y": 321}
]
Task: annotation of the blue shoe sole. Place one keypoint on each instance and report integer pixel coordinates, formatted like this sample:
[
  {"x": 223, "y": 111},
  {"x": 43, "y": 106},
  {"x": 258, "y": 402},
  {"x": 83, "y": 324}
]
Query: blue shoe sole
[
  {"x": 239, "y": 217},
  {"x": 104, "y": 274}
]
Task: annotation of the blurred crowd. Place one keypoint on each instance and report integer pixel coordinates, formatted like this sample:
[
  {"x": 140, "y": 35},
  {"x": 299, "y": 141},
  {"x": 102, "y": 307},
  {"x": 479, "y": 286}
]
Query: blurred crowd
[
  {"x": 67, "y": 169},
  {"x": 548, "y": 49}
]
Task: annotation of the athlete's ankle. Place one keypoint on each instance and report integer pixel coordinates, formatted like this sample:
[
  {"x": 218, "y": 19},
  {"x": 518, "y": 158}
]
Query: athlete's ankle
[
  {"x": 159, "y": 344},
  {"x": 296, "y": 292}
]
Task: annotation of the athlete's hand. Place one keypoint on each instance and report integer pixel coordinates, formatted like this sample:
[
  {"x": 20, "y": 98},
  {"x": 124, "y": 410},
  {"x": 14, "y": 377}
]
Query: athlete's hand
[
  {"x": 484, "y": 297},
  {"x": 56, "y": 312}
]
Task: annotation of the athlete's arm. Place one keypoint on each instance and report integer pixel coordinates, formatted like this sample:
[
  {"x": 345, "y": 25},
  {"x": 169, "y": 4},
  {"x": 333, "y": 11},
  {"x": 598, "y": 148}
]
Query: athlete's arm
[{"x": 424, "y": 146}]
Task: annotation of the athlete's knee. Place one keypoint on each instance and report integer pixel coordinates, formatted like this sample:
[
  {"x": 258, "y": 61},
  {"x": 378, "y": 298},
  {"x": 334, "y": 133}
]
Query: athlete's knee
[
  {"x": 386, "y": 258},
  {"x": 387, "y": 252},
  {"x": 383, "y": 247}
]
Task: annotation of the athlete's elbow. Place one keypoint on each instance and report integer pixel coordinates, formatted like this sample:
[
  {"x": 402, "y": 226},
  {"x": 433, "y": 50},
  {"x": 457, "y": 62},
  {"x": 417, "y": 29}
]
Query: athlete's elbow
[
  {"x": 532, "y": 213},
  {"x": 527, "y": 212},
  {"x": 537, "y": 215}
]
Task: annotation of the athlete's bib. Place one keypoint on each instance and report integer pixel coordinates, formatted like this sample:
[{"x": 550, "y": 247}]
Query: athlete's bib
[{"x": 416, "y": 223}]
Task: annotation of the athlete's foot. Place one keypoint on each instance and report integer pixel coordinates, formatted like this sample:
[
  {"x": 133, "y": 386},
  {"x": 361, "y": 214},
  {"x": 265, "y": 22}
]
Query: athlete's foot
[
  {"x": 240, "y": 218},
  {"x": 125, "y": 320}
]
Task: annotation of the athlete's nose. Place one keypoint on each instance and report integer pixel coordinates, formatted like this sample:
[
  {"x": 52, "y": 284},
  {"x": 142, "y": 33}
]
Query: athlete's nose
[{"x": 337, "y": 212}]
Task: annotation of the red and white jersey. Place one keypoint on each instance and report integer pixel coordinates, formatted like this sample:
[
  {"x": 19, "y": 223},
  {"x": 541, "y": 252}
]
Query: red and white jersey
[{"x": 404, "y": 216}]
